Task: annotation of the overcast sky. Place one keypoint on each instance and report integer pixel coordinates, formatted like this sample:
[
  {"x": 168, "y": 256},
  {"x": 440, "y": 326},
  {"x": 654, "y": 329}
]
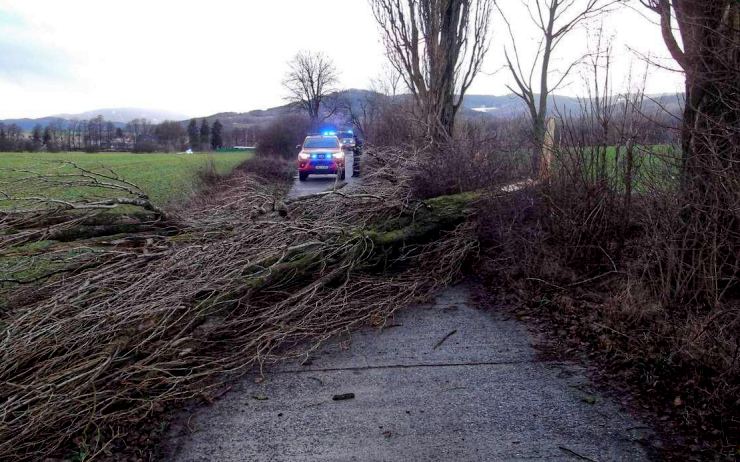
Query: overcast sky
[{"x": 201, "y": 57}]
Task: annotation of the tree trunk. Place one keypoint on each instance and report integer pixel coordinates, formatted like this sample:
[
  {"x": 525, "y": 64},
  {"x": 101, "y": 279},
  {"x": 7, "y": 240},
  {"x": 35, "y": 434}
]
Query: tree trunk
[
  {"x": 538, "y": 139},
  {"x": 710, "y": 136}
]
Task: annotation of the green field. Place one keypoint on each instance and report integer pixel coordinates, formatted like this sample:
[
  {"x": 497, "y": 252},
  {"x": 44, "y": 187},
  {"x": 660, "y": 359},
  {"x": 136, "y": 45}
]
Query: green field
[
  {"x": 164, "y": 177},
  {"x": 653, "y": 167}
]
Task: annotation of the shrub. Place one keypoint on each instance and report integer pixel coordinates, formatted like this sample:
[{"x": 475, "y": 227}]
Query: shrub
[
  {"x": 280, "y": 137},
  {"x": 145, "y": 146},
  {"x": 587, "y": 252},
  {"x": 481, "y": 156},
  {"x": 271, "y": 168}
]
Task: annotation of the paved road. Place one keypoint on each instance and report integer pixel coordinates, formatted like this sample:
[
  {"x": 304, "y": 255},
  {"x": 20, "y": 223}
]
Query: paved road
[
  {"x": 318, "y": 183},
  {"x": 444, "y": 382}
]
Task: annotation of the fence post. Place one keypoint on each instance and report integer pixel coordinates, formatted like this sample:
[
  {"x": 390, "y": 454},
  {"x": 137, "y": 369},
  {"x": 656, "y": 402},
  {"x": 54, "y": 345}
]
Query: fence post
[{"x": 548, "y": 147}]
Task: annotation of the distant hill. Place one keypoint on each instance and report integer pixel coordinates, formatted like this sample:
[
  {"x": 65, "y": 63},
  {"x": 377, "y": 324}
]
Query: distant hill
[
  {"x": 125, "y": 114},
  {"x": 119, "y": 116},
  {"x": 27, "y": 124},
  {"x": 508, "y": 106},
  {"x": 237, "y": 120},
  {"x": 260, "y": 117},
  {"x": 504, "y": 106}
]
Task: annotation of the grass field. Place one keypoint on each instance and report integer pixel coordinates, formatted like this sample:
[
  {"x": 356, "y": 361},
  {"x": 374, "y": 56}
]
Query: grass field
[
  {"x": 653, "y": 167},
  {"x": 164, "y": 177}
]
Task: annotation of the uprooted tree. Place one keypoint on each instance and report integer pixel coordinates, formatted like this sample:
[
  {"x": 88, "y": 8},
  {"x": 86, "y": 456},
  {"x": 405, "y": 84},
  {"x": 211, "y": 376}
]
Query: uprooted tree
[{"x": 438, "y": 47}]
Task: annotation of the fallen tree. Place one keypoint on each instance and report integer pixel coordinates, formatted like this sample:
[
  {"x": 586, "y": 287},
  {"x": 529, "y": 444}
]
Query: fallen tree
[
  {"x": 247, "y": 280},
  {"x": 48, "y": 215}
]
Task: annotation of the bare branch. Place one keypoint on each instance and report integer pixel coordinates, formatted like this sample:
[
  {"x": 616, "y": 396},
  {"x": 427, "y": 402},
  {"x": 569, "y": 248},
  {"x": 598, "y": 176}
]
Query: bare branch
[
  {"x": 312, "y": 76},
  {"x": 438, "y": 47}
]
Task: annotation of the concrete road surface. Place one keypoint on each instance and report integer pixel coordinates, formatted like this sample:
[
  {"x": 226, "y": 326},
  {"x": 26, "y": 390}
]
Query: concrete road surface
[
  {"x": 442, "y": 382},
  {"x": 318, "y": 183}
]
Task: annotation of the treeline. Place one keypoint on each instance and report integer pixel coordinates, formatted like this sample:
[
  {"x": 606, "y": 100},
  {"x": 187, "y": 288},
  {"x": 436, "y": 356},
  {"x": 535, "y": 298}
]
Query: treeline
[{"x": 139, "y": 135}]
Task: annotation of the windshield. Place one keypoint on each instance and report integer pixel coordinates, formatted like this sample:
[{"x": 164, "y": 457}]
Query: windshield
[
  {"x": 321, "y": 142},
  {"x": 345, "y": 135}
]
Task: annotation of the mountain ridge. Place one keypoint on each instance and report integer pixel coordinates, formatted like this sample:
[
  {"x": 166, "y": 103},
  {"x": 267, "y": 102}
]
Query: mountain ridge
[
  {"x": 120, "y": 116},
  {"x": 475, "y": 105},
  {"x": 125, "y": 114}
]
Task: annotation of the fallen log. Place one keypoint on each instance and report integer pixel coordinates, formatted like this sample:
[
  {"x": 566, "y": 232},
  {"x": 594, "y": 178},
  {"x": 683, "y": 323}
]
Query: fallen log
[{"x": 431, "y": 217}]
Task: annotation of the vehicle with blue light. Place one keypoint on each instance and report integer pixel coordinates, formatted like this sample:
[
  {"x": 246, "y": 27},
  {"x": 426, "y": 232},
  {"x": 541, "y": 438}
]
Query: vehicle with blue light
[
  {"x": 347, "y": 139},
  {"x": 321, "y": 154}
]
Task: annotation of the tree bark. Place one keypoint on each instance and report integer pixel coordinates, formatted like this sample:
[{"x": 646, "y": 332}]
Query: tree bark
[{"x": 710, "y": 140}]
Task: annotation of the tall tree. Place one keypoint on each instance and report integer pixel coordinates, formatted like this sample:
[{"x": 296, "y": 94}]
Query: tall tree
[
  {"x": 110, "y": 132},
  {"x": 554, "y": 20},
  {"x": 217, "y": 139},
  {"x": 710, "y": 59},
  {"x": 438, "y": 47},
  {"x": 170, "y": 135},
  {"x": 36, "y": 135},
  {"x": 205, "y": 134},
  {"x": 4, "y": 143},
  {"x": 95, "y": 128},
  {"x": 708, "y": 52},
  {"x": 311, "y": 77},
  {"x": 47, "y": 138},
  {"x": 141, "y": 132},
  {"x": 193, "y": 134}
]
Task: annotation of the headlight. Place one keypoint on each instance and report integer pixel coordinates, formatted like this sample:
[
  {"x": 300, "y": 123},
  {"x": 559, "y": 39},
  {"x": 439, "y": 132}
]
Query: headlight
[
  {"x": 339, "y": 155},
  {"x": 303, "y": 156}
]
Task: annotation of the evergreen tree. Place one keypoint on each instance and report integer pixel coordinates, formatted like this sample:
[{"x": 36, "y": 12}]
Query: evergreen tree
[
  {"x": 47, "y": 136},
  {"x": 205, "y": 134},
  {"x": 36, "y": 134},
  {"x": 35, "y": 139},
  {"x": 217, "y": 140},
  {"x": 193, "y": 134},
  {"x": 4, "y": 145}
]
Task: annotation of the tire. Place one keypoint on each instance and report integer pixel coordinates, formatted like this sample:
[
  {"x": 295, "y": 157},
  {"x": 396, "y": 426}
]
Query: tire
[
  {"x": 302, "y": 176},
  {"x": 342, "y": 174}
]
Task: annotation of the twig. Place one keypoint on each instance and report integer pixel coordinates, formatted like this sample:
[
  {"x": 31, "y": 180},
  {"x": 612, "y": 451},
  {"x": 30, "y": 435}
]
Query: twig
[
  {"x": 573, "y": 453},
  {"x": 450, "y": 334}
]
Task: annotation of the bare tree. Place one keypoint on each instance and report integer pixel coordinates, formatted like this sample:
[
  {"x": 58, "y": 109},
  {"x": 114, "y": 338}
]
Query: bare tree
[
  {"x": 710, "y": 33},
  {"x": 311, "y": 78},
  {"x": 438, "y": 47},
  {"x": 365, "y": 107},
  {"x": 554, "y": 20},
  {"x": 387, "y": 82},
  {"x": 708, "y": 52}
]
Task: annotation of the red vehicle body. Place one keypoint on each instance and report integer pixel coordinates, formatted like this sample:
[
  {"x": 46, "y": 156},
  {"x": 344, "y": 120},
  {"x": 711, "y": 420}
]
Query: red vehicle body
[{"x": 321, "y": 155}]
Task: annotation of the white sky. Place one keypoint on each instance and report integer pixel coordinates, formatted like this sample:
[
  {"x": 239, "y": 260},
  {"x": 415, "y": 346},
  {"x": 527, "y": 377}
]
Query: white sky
[{"x": 201, "y": 57}]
